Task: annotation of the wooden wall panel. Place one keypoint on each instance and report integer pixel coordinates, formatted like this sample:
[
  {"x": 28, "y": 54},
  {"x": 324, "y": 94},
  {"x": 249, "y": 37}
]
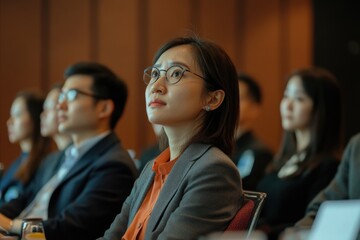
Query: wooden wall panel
[
  {"x": 262, "y": 59},
  {"x": 299, "y": 34},
  {"x": 69, "y": 35},
  {"x": 218, "y": 22},
  {"x": 20, "y": 60},
  {"x": 118, "y": 48},
  {"x": 166, "y": 21},
  {"x": 40, "y": 38}
]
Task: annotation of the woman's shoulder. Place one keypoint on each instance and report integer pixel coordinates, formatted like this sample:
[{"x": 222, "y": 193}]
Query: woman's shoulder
[
  {"x": 211, "y": 155},
  {"x": 208, "y": 151}
]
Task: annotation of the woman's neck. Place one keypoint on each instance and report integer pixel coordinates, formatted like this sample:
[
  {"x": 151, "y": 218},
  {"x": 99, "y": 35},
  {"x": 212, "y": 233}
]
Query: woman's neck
[
  {"x": 26, "y": 145},
  {"x": 302, "y": 139},
  {"x": 178, "y": 138}
]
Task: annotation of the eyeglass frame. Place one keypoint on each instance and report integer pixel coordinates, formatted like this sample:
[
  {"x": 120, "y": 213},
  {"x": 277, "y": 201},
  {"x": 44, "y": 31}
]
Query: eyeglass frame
[
  {"x": 64, "y": 95},
  {"x": 166, "y": 71}
]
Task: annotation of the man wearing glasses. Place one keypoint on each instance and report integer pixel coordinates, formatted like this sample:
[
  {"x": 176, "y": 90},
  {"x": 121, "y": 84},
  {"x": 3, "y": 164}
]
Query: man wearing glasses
[{"x": 88, "y": 185}]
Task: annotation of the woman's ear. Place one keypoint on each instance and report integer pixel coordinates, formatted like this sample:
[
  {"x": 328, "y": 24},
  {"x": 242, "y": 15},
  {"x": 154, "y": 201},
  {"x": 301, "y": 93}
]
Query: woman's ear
[
  {"x": 214, "y": 99},
  {"x": 106, "y": 108}
]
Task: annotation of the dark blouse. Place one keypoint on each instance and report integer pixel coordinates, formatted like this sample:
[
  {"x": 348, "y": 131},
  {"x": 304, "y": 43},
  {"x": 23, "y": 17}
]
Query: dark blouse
[{"x": 287, "y": 199}]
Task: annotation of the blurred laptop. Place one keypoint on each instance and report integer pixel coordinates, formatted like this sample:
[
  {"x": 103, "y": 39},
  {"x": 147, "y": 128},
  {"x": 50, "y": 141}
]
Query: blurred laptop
[{"x": 337, "y": 220}]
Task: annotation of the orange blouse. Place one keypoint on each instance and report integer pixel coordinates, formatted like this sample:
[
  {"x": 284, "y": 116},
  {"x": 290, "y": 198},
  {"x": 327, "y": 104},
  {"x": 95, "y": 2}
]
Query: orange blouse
[{"x": 162, "y": 167}]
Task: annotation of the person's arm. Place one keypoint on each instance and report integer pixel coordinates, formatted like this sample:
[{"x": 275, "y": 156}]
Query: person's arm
[
  {"x": 5, "y": 222},
  {"x": 104, "y": 191},
  {"x": 338, "y": 188},
  {"x": 322, "y": 177},
  {"x": 119, "y": 226},
  {"x": 13, "y": 208}
]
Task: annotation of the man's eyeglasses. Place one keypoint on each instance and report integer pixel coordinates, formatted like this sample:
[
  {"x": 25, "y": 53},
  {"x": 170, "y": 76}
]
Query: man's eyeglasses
[
  {"x": 71, "y": 94},
  {"x": 173, "y": 74}
]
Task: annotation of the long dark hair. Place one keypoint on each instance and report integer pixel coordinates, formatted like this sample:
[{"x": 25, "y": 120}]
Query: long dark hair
[
  {"x": 326, "y": 125},
  {"x": 219, "y": 72},
  {"x": 40, "y": 145}
]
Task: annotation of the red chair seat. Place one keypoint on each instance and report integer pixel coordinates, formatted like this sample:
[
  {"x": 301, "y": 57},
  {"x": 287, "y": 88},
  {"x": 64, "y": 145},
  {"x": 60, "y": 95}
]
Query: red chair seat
[{"x": 243, "y": 218}]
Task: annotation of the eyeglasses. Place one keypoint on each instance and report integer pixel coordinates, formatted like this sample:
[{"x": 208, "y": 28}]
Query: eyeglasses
[
  {"x": 71, "y": 94},
  {"x": 173, "y": 74}
]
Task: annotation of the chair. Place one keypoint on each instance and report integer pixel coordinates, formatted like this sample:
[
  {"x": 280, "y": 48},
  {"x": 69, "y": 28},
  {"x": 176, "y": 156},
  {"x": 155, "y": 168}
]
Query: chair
[{"x": 247, "y": 216}]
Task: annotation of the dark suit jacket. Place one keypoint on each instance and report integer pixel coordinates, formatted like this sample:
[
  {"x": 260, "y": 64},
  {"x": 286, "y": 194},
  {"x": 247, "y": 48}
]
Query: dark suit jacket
[
  {"x": 345, "y": 184},
  {"x": 88, "y": 198},
  {"x": 287, "y": 198},
  {"x": 201, "y": 194}
]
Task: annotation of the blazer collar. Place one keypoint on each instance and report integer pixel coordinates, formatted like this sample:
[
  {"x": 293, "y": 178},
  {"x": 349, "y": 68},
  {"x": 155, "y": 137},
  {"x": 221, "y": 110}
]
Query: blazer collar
[
  {"x": 93, "y": 154},
  {"x": 176, "y": 176}
]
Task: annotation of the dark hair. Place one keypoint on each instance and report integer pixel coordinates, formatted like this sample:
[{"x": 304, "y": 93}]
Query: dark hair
[
  {"x": 253, "y": 87},
  {"x": 40, "y": 145},
  {"x": 105, "y": 84},
  {"x": 326, "y": 126},
  {"x": 219, "y": 73}
]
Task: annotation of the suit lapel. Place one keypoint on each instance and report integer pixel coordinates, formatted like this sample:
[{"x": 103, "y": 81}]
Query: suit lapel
[
  {"x": 91, "y": 156},
  {"x": 52, "y": 166},
  {"x": 174, "y": 180}
]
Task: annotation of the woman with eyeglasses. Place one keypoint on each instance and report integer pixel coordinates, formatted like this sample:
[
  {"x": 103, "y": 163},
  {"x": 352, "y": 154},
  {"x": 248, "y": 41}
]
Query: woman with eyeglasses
[
  {"x": 192, "y": 188},
  {"x": 24, "y": 129}
]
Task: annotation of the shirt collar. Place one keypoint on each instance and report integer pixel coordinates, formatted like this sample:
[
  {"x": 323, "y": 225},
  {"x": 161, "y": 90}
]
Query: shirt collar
[
  {"x": 77, "y": 152},
  {"x": 162, "y": 164}
]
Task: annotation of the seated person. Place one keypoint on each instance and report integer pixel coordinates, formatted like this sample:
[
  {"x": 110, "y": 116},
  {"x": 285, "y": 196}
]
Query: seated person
[
  {"x": 49, "y": 121},
  {"x": 345, "y": 184},
  {"x": 251, "y": 156},
  {"x": 24, "y": 129},
  {"x": 308, "y": 158},
  {"x": 85, "y": 188},
  {"x": 192, "y": 188}
]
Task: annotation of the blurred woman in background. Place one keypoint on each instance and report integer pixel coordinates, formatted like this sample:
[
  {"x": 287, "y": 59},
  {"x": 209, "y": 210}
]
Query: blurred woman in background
[
  {"x": 49, "y": 121},
  {"x": 309, "y": 154},
  {"x": 24, "y": 129}
]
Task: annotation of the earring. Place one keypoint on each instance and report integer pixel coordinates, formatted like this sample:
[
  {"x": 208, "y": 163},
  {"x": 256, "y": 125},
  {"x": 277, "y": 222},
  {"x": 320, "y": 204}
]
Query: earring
[{"x": 207, "y": 108}]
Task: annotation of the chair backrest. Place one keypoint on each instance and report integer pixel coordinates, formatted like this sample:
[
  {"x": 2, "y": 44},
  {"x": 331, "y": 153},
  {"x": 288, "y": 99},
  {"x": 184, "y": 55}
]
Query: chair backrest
[{"x": 247, "y": 216}]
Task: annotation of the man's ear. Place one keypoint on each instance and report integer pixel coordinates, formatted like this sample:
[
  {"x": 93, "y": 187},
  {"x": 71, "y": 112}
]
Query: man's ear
[
  {"x": 254, "y": 111},
  {"x": 106, "y": 108},
  {"x": 214, "y": 99}
]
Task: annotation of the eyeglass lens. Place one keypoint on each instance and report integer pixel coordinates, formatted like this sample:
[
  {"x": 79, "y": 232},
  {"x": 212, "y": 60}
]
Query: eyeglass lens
[
  {"x": 172, "y": 74},
  {"x": 69, "y": 95}
]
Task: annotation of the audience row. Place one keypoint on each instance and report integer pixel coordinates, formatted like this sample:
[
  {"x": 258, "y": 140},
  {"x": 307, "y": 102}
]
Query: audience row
[{"x": 192, "y": 182}]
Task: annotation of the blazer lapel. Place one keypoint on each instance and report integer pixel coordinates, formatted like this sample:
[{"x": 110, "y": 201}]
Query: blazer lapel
[
  {"x": 144, "y": 186},
  {"x": 174, "y": 180},
  {"x": 92, "y": 155}
]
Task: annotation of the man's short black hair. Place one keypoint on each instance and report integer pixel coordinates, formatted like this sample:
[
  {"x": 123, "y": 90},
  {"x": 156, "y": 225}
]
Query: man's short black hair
[
  {"x": 253, "y": 86},
  {"x": 105, "y": 84}
]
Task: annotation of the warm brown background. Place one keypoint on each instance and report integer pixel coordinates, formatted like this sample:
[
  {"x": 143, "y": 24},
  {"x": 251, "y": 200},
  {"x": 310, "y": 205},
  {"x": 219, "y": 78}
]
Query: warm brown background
[{"x": 40, "y": 38}]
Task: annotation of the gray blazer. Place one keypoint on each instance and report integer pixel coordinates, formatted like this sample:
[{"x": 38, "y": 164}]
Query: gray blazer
[
  {"x": 201, "y": 195},
  {"x": 345, "y": 184}
]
